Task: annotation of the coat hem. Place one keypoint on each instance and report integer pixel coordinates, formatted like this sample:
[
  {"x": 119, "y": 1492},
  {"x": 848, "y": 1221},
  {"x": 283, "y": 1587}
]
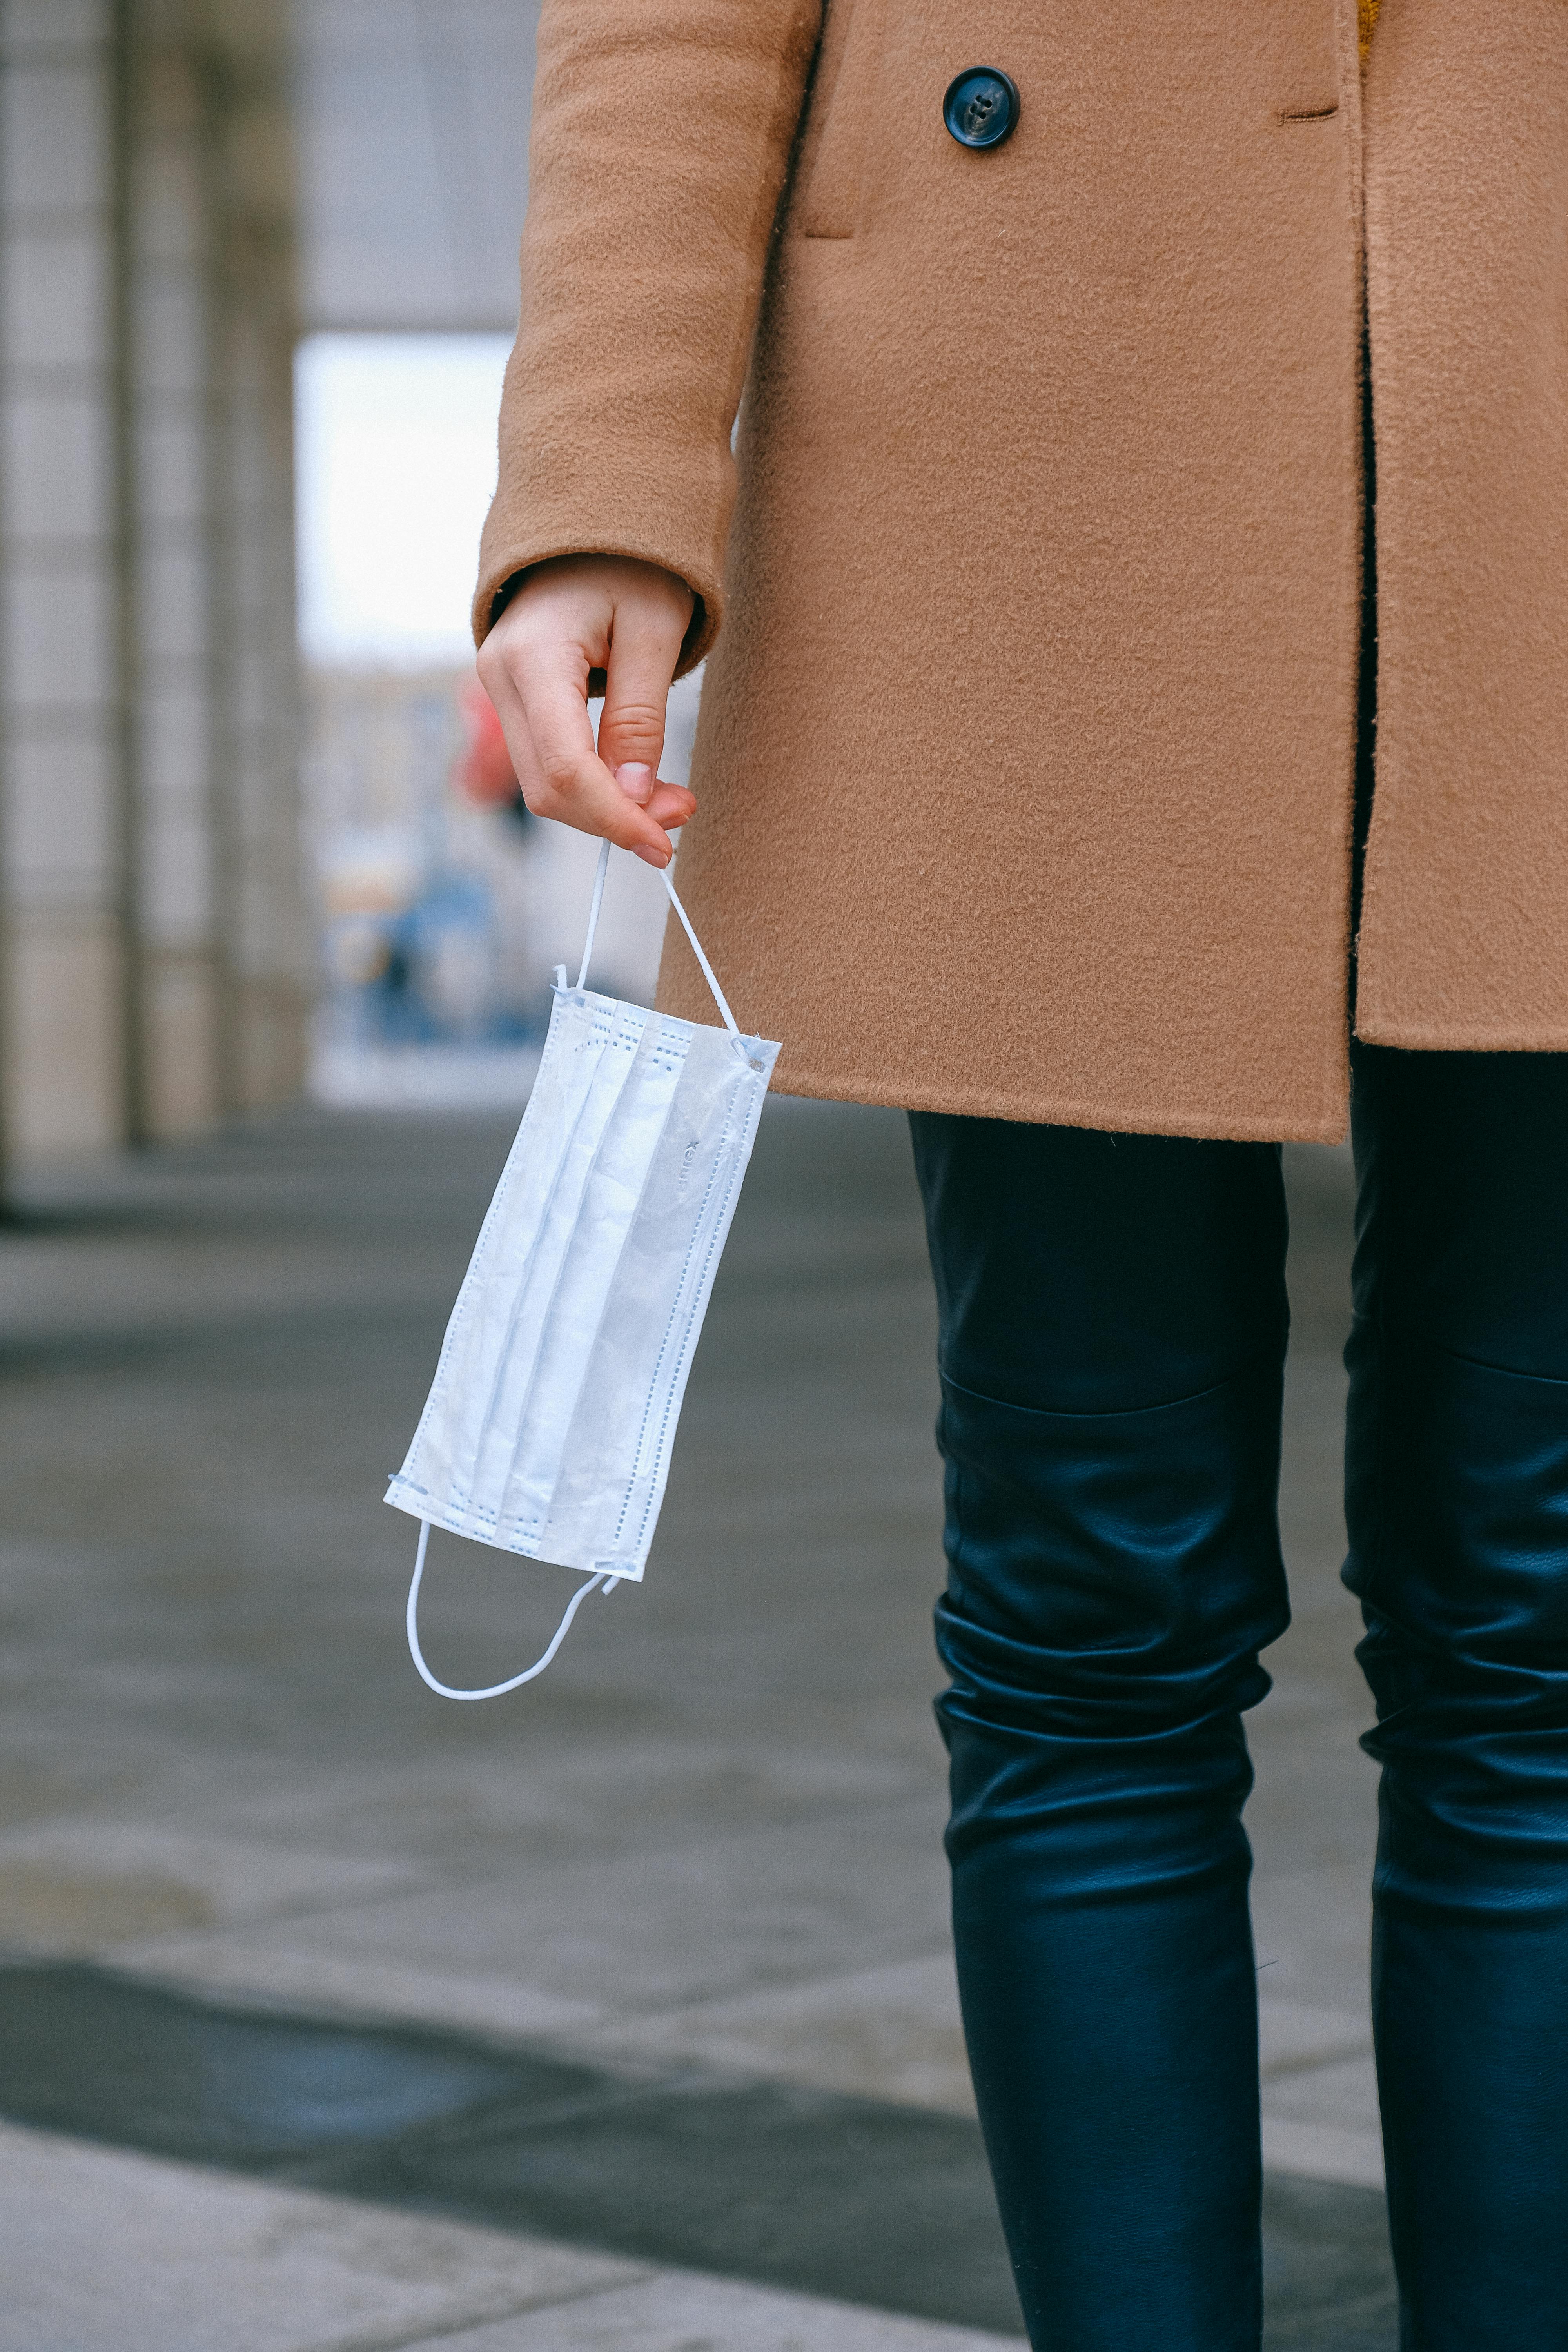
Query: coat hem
[
  {"x": 1035, "y": 1110},
  {"x": 1456, "y": 1038}
]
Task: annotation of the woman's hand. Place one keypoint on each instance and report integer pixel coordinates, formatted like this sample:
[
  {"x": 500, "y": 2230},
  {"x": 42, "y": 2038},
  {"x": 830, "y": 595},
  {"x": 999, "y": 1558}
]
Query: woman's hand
[{"x": 576, "y": 615}]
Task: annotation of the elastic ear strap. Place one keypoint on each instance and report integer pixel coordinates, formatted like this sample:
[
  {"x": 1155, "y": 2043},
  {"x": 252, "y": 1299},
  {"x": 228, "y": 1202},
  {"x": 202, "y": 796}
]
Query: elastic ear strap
[
  {"x": 496, "y": 1690},
  {"x": 599, "y": 873},
  {"x": 667, "y": 878},
  {"x": 719, "y": 997}
]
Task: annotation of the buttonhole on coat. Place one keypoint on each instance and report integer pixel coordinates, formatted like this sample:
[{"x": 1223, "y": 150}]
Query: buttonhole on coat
[{"x": 1308, "y": 113}]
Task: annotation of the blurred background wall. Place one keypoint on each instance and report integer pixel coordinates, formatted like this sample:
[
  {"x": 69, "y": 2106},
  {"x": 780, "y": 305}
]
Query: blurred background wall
[
  {"x": 152, "y": 960},
  {"x": 234, "y": 675}
]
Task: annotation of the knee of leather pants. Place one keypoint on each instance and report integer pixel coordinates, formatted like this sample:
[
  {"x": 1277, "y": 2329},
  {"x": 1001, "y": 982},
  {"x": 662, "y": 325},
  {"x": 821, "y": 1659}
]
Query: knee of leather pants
[
  {"x": 1113, "y": 1324},
  {"x": 1112, "y": 1576},
  {"x": 1456, "y": 1476},
  {"x": 1456, "y": 1501}
]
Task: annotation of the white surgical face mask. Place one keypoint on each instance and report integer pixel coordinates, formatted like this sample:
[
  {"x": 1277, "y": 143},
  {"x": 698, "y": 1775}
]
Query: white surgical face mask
[{"x": 548, "y": 1430}]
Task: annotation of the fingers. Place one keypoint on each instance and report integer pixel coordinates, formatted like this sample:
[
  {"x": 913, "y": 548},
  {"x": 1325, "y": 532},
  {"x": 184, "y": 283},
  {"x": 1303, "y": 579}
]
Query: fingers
[
  {"x": 538, "y": 686},
  {"x": 572, "y": 618},
  {"x": 570, "y": 783},
  {"x": 672, "y": 805},
  {"x": 635, "y": 779}
]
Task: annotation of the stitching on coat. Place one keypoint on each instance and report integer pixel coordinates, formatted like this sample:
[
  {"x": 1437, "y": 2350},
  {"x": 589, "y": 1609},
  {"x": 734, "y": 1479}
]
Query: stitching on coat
[{"x": 842, "y": 111}]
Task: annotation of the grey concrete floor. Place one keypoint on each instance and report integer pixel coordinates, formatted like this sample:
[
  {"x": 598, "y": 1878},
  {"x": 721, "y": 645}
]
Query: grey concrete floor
[{"x": 699, "y": 1863}]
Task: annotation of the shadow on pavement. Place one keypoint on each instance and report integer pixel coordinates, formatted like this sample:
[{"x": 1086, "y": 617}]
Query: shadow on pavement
[{"x": 780, "y": 2185}]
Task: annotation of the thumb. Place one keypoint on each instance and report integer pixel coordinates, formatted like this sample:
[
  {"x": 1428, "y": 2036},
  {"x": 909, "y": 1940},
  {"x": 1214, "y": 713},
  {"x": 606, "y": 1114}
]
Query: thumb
[
  {"x": 636, "y": 778},
  {"x": 642, "y": 655}
]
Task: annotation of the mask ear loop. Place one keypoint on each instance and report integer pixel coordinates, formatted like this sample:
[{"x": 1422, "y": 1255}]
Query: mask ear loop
[
  {"x": 496, "y": 1690},
  {"x": 720, "y": 999},
  {"x": 598, "y": 899},
  {"x": 668, "y": 878}
]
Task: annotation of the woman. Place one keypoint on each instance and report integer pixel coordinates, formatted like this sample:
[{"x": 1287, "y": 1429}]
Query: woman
[{"x": 1036, "y": 777}]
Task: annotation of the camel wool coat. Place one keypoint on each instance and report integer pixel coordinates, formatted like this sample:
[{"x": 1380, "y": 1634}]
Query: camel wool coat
[{"x": 1030, "y": 587}]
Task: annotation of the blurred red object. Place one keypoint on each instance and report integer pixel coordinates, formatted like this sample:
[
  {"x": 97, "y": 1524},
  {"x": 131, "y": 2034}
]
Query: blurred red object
[{"x": 482, "y": 770}]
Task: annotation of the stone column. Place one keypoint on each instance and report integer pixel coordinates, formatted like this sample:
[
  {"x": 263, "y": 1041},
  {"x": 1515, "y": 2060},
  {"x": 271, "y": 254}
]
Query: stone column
[
  {"x": 266, "y": 936},
  {"x": 224, "y": 955},
  {"x": 174, "y": 429},
  {"x": 66, "y": 979},
  {"x": 153, "y": 960}
]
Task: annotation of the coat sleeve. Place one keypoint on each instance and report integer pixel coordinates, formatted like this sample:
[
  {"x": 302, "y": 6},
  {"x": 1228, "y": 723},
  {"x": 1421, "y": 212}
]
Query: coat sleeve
[{"x": 662, "y": 130}]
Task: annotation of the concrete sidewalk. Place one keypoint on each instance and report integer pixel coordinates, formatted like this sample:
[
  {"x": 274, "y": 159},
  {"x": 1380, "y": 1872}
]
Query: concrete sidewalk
[{"x": 702, "y": 1856}]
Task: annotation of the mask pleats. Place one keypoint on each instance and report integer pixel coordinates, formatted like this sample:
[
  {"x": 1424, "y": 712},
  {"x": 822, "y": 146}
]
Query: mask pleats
[
  {"x": 549, "y": 1426},
  {"x": 617, "y": 1441},
  {"x": 532, "y": 1438}
]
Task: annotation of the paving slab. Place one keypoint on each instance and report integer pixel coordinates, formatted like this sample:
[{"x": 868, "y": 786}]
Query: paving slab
[
  {"x": 675, "y": 2313},
  {"x": 862, "y": 2204},
  {"x": 105, "y": 2252},
  {"x": 886, "y": 2205},
  {"x": 101, "y": 2248}
]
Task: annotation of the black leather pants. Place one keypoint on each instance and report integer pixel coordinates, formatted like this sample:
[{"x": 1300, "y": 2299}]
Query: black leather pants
[{"x": 1113, "y": 1327}]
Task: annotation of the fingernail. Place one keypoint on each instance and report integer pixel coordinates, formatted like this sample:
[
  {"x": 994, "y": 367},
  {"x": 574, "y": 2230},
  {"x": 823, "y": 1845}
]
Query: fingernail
[
  {"x": 635, "y": 779},
  {"x": 651, "y": 857}
]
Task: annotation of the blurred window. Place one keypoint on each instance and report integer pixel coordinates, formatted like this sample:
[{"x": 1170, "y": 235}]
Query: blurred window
[{"x": 395, "y": 459}]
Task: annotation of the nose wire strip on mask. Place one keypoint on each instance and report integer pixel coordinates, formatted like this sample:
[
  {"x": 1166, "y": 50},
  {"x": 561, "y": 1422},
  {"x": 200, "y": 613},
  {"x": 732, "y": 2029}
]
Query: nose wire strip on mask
[{"x": 600, "y": 1581}]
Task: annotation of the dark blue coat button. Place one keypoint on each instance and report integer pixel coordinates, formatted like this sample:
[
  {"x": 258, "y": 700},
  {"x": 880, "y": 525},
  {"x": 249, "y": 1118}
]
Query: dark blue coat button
[{"x": 981, "y": 107}]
